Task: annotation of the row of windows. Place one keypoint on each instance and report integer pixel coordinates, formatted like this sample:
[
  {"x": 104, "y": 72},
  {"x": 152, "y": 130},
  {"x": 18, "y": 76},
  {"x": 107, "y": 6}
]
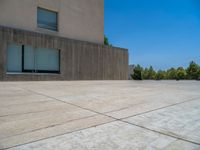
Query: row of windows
[
  {"x": 23, "y": 58},
  {"x": 47, "y": 19}
]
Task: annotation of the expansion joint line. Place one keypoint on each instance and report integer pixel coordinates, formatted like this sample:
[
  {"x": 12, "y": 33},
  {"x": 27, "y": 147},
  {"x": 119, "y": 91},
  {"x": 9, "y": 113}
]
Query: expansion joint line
[
  {"x": 122, "y": 119},
  {"x": 176, "y": 137}
]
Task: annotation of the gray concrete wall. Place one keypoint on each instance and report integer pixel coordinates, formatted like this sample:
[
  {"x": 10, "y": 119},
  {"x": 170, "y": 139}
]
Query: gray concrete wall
[
  {"x": 77, "y": 19},
  {"x": 79, "y": 60}
]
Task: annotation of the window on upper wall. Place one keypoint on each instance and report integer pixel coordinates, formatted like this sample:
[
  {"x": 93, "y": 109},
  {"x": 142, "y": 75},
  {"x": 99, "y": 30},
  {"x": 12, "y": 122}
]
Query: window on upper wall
[
  {"x": 23, "y": 58},
  {"x": 47, "y": 19}
]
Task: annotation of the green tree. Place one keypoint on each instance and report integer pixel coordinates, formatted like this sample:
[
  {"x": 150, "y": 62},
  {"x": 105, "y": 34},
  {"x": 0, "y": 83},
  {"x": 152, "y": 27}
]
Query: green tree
[
  {"x": 149, "y": 73},
  {"x": 193, "y": 71},
  {"x": 181, "y": 73},
  {"x": 106, "y": 41},
  {"x": 171, "y": 74},
  {"x": 145, "y": 74},
  {"x": 137, "y": 73},
  {"x": 152, "y": 73},
  {"x": 160, "y": 75}
]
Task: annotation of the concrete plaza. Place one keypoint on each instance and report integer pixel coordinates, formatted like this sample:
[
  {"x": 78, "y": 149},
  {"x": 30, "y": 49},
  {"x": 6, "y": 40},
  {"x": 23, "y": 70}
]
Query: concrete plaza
[{"x": 100, "y": 115}]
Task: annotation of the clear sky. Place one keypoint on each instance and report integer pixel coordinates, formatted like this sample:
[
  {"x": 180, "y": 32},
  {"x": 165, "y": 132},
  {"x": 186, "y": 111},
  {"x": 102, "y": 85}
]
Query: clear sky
[{"x": 161, "y": 33}]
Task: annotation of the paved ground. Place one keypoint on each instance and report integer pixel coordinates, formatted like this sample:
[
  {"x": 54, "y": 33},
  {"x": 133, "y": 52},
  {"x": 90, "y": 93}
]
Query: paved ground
[{"x": 100, "y": 115}]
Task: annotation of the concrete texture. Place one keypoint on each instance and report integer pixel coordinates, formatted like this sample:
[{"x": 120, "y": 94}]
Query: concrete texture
[
  {"x": 78, "y": 60},
  {"x": 100, "y": 115},
  {"x": 77, "y": 19}
]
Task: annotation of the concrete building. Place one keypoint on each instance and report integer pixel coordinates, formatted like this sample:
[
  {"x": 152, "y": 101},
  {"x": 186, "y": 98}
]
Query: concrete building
[{"x": 57, "y": 40}]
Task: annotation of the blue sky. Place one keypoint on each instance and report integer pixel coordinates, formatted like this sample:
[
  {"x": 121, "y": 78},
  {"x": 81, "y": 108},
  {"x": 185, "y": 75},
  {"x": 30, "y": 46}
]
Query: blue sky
[{"x": 161, "y": 33}]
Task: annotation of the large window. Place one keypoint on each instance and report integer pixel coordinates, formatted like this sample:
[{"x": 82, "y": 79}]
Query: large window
[
  {"x": 22, "y": 58},
  {"x": 47, "y": 19}
]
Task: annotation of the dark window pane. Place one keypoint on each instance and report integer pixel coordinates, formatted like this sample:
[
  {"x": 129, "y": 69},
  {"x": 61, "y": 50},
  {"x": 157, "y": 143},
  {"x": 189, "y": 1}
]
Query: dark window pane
[
  {"x": 47, "y": 19},
  {"x": 29, "y": 58},
  {"x": 14, "y": 58},
  {"x": 47, "y": 59}
]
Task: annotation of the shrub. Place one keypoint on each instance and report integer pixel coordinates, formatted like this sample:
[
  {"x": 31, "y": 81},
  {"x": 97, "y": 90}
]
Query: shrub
[
  {"x": 193, "y": 71},
  {"x": 160, "y": 75},
  {"x": 137, "y": 73},
  {"x": 181, "y": 73}
]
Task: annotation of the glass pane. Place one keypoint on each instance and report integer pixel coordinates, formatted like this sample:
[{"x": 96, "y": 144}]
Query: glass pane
[
  {"x": 47, "y": 19},
  {"x": 47, "y": 59},
  {"x": 29, "y": 58},
  {"x": 14, "y": 58}
]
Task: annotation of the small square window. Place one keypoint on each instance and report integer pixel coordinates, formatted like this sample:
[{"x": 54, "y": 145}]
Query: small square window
[{"x": 47, "y": 19}]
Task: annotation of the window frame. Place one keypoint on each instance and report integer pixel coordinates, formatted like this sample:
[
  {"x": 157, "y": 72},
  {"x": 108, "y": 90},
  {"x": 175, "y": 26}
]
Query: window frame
[
  {"x": 57, "y": 20},
  {"x": 34, "y": 71}
]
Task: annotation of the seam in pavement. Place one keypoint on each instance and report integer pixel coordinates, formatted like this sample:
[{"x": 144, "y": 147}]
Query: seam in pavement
[
  {"x": 186, "y": 101},
  {"x": 59, "y": 135},
  {"x": 9, "y": 105},
  {"x": 28, "y": 112},
  {"x": 33, "y": 112},
  {"x": 121, "y": 119},
  {"x": 105, "y": 113},
  {"x": 116, "y": 110},
  {"x": 168, "y": 105},
  {"x": 116, "y": 119},
  {"x": 179, "y": 138},
  {"x": 50, "y": 126},
  {"x": 69, "y": 103}
]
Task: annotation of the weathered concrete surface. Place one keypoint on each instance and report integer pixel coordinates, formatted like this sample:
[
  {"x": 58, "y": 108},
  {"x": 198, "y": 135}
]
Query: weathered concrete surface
[
  {"x": 78, "y": 19},
  {"x": 111, "y": 136},
  {"x": 79, "y": 60},
  {"x": 181, "y": 120},
  {"x": 100, "y": 115}
]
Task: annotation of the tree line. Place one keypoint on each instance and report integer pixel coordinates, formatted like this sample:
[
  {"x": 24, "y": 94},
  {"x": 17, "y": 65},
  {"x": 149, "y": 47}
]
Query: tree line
[{"x": 192, "y": 72}]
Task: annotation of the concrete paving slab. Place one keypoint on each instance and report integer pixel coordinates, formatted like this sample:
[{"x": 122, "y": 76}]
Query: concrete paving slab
[
  {"x": 182, "y": 121},
  {"x": 106, "y": 102},
  {"x": 137, "y": 109},
  {"x": 52, "y": 131},
  {"x": 108, "y": 96},
  {"x": 17, "y": 100},
  {"x": 10, "y": 91},
  {"x": 33, "y": 111},
  {"x": 33, "y": 123},
  {"x": 13, "y": 95},
  {"x": 112, "y": 136},
  {"x": 29, "y": 108},
  {"x": 57, "y": 111}
]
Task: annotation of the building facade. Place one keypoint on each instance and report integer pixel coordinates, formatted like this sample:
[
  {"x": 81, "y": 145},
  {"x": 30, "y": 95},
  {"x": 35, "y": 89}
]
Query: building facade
[{"x": 57, "y": 40}]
